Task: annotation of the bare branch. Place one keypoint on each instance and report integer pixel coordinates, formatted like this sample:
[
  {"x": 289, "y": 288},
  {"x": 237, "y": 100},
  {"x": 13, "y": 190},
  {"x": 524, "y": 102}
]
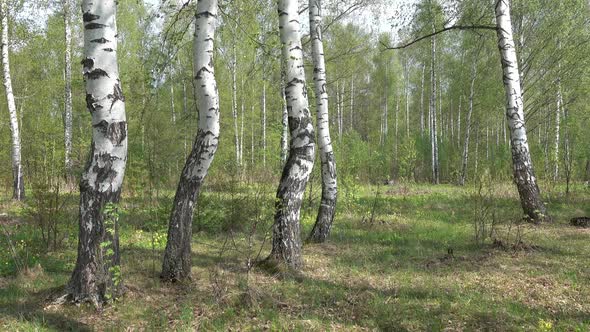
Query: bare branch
[{"x": 454, "y": 27}]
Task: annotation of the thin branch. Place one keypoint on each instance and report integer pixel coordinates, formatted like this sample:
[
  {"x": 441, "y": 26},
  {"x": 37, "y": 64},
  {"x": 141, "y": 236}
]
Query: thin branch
[{"x": 454, "y": 27}]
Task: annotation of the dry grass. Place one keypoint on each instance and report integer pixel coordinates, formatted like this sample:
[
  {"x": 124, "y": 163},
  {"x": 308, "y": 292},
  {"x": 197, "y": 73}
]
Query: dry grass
[{"x": 393, "y": 275}]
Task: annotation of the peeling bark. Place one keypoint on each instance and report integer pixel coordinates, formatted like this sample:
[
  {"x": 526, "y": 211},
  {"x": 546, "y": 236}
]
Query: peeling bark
[
  {"x": 524, "y": 176},
  {"x": 286, "y": 243},
  {"x": 95, "y": 278},
  {"x": 177, "y": 256},
  {"x": 325, "y": 217}
]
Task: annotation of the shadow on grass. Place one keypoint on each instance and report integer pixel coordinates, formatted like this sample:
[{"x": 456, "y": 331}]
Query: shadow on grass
[{"x": 32, "y": 311}]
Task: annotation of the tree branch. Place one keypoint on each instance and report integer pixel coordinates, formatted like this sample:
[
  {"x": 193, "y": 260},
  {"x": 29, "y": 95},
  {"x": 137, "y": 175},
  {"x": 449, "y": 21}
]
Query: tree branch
[{"x": 454, "y": 27}]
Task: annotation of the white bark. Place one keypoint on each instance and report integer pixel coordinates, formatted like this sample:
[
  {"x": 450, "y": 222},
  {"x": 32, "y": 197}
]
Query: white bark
[
  {"x": 233, "y": 68},
  {"x": 172, "y": 106},
  {"x": 422, "y": 100},
  {"x": 524, "y": 175},
  {"x": 177, "y": 258},
  {"x": 557, "y": 129},
  {"x": 17, "y": 168},
  {"x": 242, "y": 114},
  {"x": 264, "y": 124},
  {"x": 325, "y": 217},
  {"x": 351, "y": 103},
  {"x": 68, "y": 89},
  {"x": 465, "y": 158},
  {"x": 102, "y": 179},
  {"x": 487, "y": 143},
  {"x": 386, "y": 115},
  {"x": 284, "y": 125},
  {"x": 406, "y": 96},
  {"x": 459, "y": 121},
  {"x": 286, "y": 243},
  {"x": 252, "y": 136},
  {"x": 338, "y": 112},
  {"x": 433, "y": 111}
]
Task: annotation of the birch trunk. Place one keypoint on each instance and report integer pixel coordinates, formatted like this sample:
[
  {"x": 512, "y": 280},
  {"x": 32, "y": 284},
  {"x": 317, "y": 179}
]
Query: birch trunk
[
  {"x": 286, "y": 242},
  {"x": 352, "y": 103},
  {"x": 177, "y": 256},
  {"x": 252, "y": 138},
  {"x": 395, "y": 146},
  {"x": 18, "y": 192},
  {"x": 386, "y": 115},
  {"x": 284, "y": 122},
  {"x": 325, "y": 217},
  {"x": 524, "y": 176},
  {"x": 487, "y": 142},
  {"x": 339, "y": 112},
  {"x": 422, "y": 101},
  {"x": 406, "y": 96},
  {"x": 96, "y": 277},
  {"x": 264, "y": 124},
  {"x": 433, "y": 131},
  {"x": 451, "y": 123},
  {"x": 242, "y": 114},
  {"x": 68, "y": 91},
  {"x": 235, "y": 104},
  {"x": 557, "y": 124},
  {"x": 465, "y": 158},
  {"x": 476, "y": 149},
  {"x": 459, "y": 121},
  {"x": 172, "y": 106}
]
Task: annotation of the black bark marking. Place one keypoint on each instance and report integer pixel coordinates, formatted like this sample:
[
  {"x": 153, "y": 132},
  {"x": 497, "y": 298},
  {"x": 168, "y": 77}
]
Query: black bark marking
[
  {"x": 199, "y": 73},
  {"x": 88, "y": 64},
  {"x": 104, "y": 174},
  {"x": 95, "y": 74},
  {"x": 117, "y": 132},
  {"x": 101, "y": 40},
  {"x": 87, "y": 17},
  {"x": 91, "y": 103},
  {"x": 93, "y": 26},
  {"x": 117, "y": 94},
  {"x": 204, "y": 14},
  {"x": 108, "y": 49},
  {"x": 103, "y": 126}
]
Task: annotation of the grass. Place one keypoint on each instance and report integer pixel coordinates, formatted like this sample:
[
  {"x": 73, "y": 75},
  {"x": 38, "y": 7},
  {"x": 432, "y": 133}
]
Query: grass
[{"x": 393, "y": 273}]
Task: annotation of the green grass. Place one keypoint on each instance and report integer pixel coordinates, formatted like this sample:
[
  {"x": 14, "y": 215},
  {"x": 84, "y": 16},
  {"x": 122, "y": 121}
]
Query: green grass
[{"x": 391, "y": 274}]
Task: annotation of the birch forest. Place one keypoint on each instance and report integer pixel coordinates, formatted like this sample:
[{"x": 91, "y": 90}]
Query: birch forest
[{"x": 284, "y": 165}]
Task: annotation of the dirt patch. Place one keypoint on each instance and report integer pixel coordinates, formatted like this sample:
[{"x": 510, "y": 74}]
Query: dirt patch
[{"x": 8, "y": 221}]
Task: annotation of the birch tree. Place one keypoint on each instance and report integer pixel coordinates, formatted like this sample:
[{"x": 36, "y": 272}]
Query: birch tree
[
  {"x": 97, "y": 274},
  {"x": 465, "y": 157},
  {"x": 325, "y": 217},
  {"x": 524, "y": 176},
  {"x": 18, "y": 185},
  {"x": 68, "y": 90},
  {"x": 177, "y": 256},
  {"x": 284, "y": 125},
  {"x": 558, "y": 113},
  {"x": 286, "y": 242},
  {"x": 433, "y": 129}
]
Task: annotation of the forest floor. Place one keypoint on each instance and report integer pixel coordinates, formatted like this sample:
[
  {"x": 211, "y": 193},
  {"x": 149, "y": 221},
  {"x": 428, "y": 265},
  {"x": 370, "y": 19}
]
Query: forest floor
[{"x": 400, "y": 258}]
